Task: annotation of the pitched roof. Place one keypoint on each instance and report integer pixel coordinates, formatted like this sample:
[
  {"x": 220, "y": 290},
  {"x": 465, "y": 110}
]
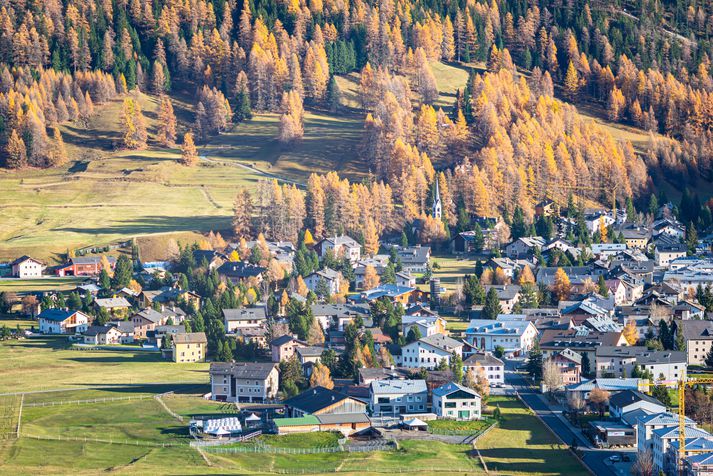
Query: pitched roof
[
  {"x": 244, "y": 313},
  {"x": 483, "y": 359},
  {"x": 697, "y": 330},
  {"x": 112, "y": 302},
  {"x": 315, "y": 399},
  {"x": 282, "y": 340},
  {"x": 56, "y": 315},
  {"x": 628, "y": 397},
  {"x": 243, "y": 370},
  {"x": 97, "y": 330},
  {"x": 150, "y": 314},
  {"x": 24, "y": 258},
  {"x": 190, "y": 338},
  {"x": 441, "y": 342},
  {"x": 388, "y": 387},
  {"x": 452, "y": 387},
  {"x": 240, "y": 270}
]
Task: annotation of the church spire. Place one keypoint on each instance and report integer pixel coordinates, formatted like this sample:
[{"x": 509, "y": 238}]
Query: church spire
[{"x": 437, "y": 207}]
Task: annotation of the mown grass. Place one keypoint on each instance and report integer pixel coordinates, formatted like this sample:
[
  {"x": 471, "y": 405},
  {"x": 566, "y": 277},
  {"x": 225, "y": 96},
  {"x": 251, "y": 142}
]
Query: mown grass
[
  {"x": 454, "y": 425},
  {"x": 40, "y": 284},
  {"x": 46, "y": 363},
  {"x": 522, "y": 445}
]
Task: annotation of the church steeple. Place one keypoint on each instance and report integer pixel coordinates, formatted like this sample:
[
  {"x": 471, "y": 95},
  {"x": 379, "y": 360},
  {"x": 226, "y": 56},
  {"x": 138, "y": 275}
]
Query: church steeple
[{"x": 437, "y": 207}]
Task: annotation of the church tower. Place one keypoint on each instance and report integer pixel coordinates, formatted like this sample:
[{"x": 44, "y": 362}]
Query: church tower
[{"x": 437, "y": 206}]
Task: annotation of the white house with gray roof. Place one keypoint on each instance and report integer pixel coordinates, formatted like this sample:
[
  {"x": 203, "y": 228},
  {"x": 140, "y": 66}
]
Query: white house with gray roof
[
  {"x": 243, "y": 318},
  {"x": 342, "y": 246},
  {"x": 414, "y": 259},
  {"x": 648, "y": 424},
  {"x": 454, "y": 401},
  {"x": 391, "y": 398},
  {"x": 332, "y": 278},
  {"x": 516, "y": 336},
  {"x": 428, "y": 352}
]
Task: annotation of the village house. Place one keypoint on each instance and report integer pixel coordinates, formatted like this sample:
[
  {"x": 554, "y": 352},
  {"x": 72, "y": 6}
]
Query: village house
[
  {"x": 405, "y": 279},
  {"x": 169, "y": 296},
  {"x": 148, "y": 319},
  {"x": 284, "y": 347},
  {"x": 636, "y": 236},
  {"x": 508, "y": 295},
  {"x": 620, "y": 362},
  {"x": 664, "y": 438},
  {"x": 546, "y": 208},
  {"x": 666, "y": 253},
  {"x": 569, "y": 365},
  {"x": 241, "y": 271},
  {"x": 337, "y": 316},
  {"x": 456, "y": 402},
  {"x": 62, "y": 321},
  {"x": 668, "y": 227},
  {"x": 244, "y": 382},
  {"x": 116, "y": 307},
  {"x": 102, "y": 335},
  {"x": 244, "y": 318},
  {"x": 309, "y": 354},
  {"x": 282, "y": 251},
  {"x": 392, "y": 398},
  {"x": 492, "y": 368},
  {"x": 583, "y": 341},
  {"x": 414, "y": 259},
  {"x": 428, "y": 352},
  {"x": 189, "y": 347},
  {"x": 699, "y": 339},
  {"x": 509, "y": 267},
  {"x": 611, "y": 385},
  {"x": 332, "y": 280},
  {"x": 596, "y": 220},
  {"x": 211, "y": 259},
  {"x": 630, "y": 400},
  {"x": 26, "y": 267},
  {"x": 524, "y": 246},
  {"x": 84, "y": 266},
  {"x": 515, "y": 336},
  {"x": 426, "y": 325},
  {"x": 341, "y": 246}
]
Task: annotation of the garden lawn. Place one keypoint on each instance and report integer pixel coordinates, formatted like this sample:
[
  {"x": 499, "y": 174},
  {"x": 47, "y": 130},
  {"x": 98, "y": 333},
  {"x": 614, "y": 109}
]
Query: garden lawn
[
  {"x": 523, "y": 445},
  {"x": 47, "y": 363},
  {"x": 473, "y": 426},
  {"x": 317, "y": 439}
]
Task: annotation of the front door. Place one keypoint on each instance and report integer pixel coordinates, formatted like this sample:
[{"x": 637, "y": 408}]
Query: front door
[{"x": 464, "y": 415}]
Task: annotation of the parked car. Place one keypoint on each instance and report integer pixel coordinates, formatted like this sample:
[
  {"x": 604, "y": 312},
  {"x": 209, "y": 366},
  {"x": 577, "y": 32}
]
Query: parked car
[{"x": 615, "y": 458}]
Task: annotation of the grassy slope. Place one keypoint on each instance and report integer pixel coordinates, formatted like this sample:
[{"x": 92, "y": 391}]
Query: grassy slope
[
  {"x": 36, "y": 364},
  {"x": 103, "y": 195}
]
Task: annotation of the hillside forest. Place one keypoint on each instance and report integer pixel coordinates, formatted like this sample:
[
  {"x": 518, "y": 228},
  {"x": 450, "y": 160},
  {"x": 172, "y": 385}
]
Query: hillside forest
[{"x": 511, "y": 136}]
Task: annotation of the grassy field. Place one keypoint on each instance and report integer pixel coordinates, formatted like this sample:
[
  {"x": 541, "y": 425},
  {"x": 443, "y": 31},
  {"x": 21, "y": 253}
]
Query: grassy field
[
  {"x": 14, "y": 323},
  {"x": 147, "y": 424},
  {"x": 45, "y": 284},
  {"x": 453, "y": 425},
  {"x": 46, "y": 363},
  {"x": 538, "y": 451},
  {"x": 450, "y": 269}
]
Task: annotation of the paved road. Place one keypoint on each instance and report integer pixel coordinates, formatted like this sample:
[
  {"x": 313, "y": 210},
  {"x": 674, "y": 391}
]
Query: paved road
[{"x": 596, "y": 459}]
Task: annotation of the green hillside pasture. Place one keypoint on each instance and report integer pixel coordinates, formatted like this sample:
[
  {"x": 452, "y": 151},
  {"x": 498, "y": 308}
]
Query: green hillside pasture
[{"x": 329, "y": 143}]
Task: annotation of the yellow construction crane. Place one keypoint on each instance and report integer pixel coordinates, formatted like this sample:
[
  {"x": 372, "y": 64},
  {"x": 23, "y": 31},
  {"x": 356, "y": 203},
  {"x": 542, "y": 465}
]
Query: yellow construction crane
[{"x": 681, "y": 386}]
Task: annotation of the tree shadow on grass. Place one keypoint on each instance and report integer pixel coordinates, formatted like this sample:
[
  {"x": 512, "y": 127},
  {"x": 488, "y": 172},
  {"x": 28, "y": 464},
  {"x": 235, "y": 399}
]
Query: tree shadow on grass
[{"x": 154, "y": 224}]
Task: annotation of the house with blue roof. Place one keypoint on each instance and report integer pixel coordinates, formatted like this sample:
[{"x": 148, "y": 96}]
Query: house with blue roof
[
  {"x": 62, "y": 321},
  {"x": 698, "y": 457},
  {"x": 454, "y": 401}
]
